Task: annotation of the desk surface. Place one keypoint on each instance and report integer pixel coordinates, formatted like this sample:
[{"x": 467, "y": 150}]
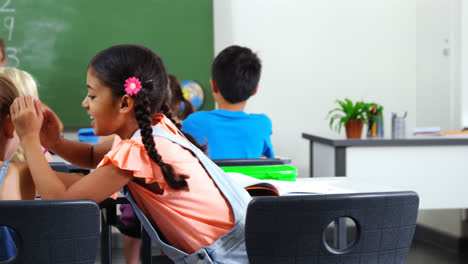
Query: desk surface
[
  {"x": 350, "y": 185},
  {"x": 409, "y": 141}
]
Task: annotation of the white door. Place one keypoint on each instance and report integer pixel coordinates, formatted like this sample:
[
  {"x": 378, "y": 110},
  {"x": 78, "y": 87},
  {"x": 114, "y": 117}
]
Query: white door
[{"x": 435, "y": 49}]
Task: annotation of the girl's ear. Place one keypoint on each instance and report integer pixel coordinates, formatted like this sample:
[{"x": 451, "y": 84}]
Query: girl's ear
[
  {"x": 8, "y": 127},
  {"x": 126, "y": 104}
]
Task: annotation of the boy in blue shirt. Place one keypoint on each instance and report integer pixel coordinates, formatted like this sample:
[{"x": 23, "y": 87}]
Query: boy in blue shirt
[{"x": 230, "y": 132}]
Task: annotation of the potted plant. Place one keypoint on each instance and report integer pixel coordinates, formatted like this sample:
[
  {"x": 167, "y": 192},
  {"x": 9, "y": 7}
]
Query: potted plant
[{"x": 352, "y": 116}]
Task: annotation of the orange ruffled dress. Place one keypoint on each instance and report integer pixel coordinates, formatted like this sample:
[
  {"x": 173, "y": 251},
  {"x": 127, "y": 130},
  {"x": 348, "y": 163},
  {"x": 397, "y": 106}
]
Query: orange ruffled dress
[{"x": 188, "y": 220}]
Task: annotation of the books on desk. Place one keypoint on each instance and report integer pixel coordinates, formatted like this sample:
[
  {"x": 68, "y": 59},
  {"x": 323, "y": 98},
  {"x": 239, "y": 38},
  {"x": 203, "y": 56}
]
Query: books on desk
[
  {"x": 455, "y": 133},
  {"x": 435, "y": 131},
  {"x": 257, "y": 187}
]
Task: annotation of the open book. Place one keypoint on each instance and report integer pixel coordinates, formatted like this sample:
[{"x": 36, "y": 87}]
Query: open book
[{"x": 258, "y": 187}]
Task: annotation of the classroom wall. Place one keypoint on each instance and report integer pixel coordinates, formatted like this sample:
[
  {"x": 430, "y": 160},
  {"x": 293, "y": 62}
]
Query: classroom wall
[{"x": 315, "y": 52}]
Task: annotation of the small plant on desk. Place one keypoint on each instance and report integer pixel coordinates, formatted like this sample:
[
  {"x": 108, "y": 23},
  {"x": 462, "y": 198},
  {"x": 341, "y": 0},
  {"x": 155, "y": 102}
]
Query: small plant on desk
[{"x": 352, "y": 115}]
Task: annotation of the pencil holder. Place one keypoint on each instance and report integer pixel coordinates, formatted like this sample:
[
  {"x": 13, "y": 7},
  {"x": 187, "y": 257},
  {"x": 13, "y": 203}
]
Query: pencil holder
[
  {"x": 398, "y": 127},
  {"x": 375, "y": 127}
]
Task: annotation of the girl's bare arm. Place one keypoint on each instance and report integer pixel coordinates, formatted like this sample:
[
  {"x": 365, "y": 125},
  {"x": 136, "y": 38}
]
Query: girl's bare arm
[
  {"x": 81, "y": 154},
  {"x": 95, "y": 186},
  {"x": 27, "y": 117}
]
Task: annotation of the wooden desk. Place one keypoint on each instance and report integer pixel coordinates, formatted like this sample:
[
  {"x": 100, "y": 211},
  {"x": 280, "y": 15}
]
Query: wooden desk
[{"x": 435, "y": 167}]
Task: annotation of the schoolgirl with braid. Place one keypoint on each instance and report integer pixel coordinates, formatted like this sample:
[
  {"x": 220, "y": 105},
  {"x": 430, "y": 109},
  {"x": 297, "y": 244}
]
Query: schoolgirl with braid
[{"x": 169, "y": 181}]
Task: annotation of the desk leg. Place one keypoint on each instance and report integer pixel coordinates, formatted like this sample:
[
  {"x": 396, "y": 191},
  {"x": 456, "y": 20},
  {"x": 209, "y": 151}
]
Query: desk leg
[
  {"x": 145, "y": 252},
  {"x": 311, "y": 159},
  {"x": 106, "y": 241},
  {"x": 340, "y": 161}
]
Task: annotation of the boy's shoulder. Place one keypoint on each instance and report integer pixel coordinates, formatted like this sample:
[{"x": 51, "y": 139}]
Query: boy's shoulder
[
  {"x": 225, "y": 113},
  {"x": 197, "y": 116},
  {"x": 200, "y": 113}
]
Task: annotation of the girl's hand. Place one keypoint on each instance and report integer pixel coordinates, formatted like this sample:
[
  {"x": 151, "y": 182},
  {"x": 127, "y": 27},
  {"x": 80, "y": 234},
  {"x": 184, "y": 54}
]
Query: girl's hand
[
  {"x": 51, "y": 129},
  {"x": 26, "y": 114}
]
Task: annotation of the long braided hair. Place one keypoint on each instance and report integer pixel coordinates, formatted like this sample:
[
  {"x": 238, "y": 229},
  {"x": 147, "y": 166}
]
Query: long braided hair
[{"x": 116, "y": 64}]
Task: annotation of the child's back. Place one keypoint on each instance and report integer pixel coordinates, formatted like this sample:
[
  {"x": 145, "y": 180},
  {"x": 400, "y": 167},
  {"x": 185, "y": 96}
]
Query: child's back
[
  {"x": 15, "y": 179},
  {"x": 17, "y": 183},
  {"x": 231, "y": 134},
  {"x": 229, "y": 131}
]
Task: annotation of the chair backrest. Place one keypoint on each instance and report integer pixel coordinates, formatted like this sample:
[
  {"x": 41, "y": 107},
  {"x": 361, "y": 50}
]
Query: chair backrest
[
  {"x": 292, "y": 229},
  {"x": 53, "y": 231}
]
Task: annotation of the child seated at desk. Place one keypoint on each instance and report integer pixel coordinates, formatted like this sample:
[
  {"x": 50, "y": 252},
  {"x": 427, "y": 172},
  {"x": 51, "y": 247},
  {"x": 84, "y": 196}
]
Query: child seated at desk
[
  {"x": 25, "y": 85},
  {"x": 179, "y": 190},
  {"x": 15, "y": 180},
  {"x": 128, "y": 223},
  {"x": 230, "y": 132}
]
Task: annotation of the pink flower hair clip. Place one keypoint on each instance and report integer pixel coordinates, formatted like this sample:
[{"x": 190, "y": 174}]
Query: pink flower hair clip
[{"x": 132, "y": 85}]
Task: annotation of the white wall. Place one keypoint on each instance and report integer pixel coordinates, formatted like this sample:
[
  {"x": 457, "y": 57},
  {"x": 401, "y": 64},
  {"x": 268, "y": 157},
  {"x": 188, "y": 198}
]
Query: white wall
[{"x": 315, "y": 52}]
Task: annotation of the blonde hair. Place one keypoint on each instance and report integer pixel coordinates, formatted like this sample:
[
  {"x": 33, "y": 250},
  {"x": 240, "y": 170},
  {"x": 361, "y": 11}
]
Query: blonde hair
[
  {"x": 24, "y": 82},
  {"x": 26, "y": 86}
]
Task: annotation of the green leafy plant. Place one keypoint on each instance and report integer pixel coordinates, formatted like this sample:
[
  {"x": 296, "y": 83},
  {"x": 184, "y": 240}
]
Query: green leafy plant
[{"x": 348, "y": 111}]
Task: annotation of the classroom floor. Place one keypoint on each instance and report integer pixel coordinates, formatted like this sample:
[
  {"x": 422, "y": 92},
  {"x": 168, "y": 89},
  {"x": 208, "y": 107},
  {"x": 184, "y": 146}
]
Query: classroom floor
[{"x": 420, "y": 253}]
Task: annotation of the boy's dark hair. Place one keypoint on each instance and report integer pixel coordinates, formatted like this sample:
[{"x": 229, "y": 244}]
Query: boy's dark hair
[
  {"x": 116, "y": 64},
  {"x": 236, "y": 72},
  {"x": 177, "y": 98}
]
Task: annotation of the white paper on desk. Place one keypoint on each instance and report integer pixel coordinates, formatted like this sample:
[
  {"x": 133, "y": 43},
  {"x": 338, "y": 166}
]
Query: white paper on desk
[
  {"x": 288, "y": 187},
  {"x": 303, "y": 187}
]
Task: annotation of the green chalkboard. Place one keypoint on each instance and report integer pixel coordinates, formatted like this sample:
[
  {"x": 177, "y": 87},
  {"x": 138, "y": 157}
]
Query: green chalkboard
[{"x": 54, "y": 40}]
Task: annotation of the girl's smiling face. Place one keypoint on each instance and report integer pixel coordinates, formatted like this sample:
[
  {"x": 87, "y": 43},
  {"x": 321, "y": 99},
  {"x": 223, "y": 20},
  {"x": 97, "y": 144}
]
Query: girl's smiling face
[{"x": 103, "y": 108}]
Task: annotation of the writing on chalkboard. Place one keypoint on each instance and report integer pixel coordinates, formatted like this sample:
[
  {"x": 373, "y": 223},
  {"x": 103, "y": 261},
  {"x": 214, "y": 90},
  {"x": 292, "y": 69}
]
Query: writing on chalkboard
[{"x": 7, "y": 16}]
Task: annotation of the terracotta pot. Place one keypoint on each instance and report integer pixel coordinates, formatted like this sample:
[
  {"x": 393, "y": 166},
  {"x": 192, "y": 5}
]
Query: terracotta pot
[{"x": 354, "y": 128}]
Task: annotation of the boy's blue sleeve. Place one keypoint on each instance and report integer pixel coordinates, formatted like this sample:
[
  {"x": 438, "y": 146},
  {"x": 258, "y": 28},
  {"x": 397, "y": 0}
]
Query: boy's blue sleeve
[
  {"x": 268, "y": 151},
  {"x": 268, "y": 148}
]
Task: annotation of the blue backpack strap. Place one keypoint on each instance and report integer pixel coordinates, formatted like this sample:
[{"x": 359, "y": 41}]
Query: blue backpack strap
[{"x": 3, "y": 172}]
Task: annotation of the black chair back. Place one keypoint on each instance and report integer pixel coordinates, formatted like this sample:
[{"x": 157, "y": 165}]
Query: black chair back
[
  {"x": 293, "y": 229},
  {"x": 53, "y": 231}
]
